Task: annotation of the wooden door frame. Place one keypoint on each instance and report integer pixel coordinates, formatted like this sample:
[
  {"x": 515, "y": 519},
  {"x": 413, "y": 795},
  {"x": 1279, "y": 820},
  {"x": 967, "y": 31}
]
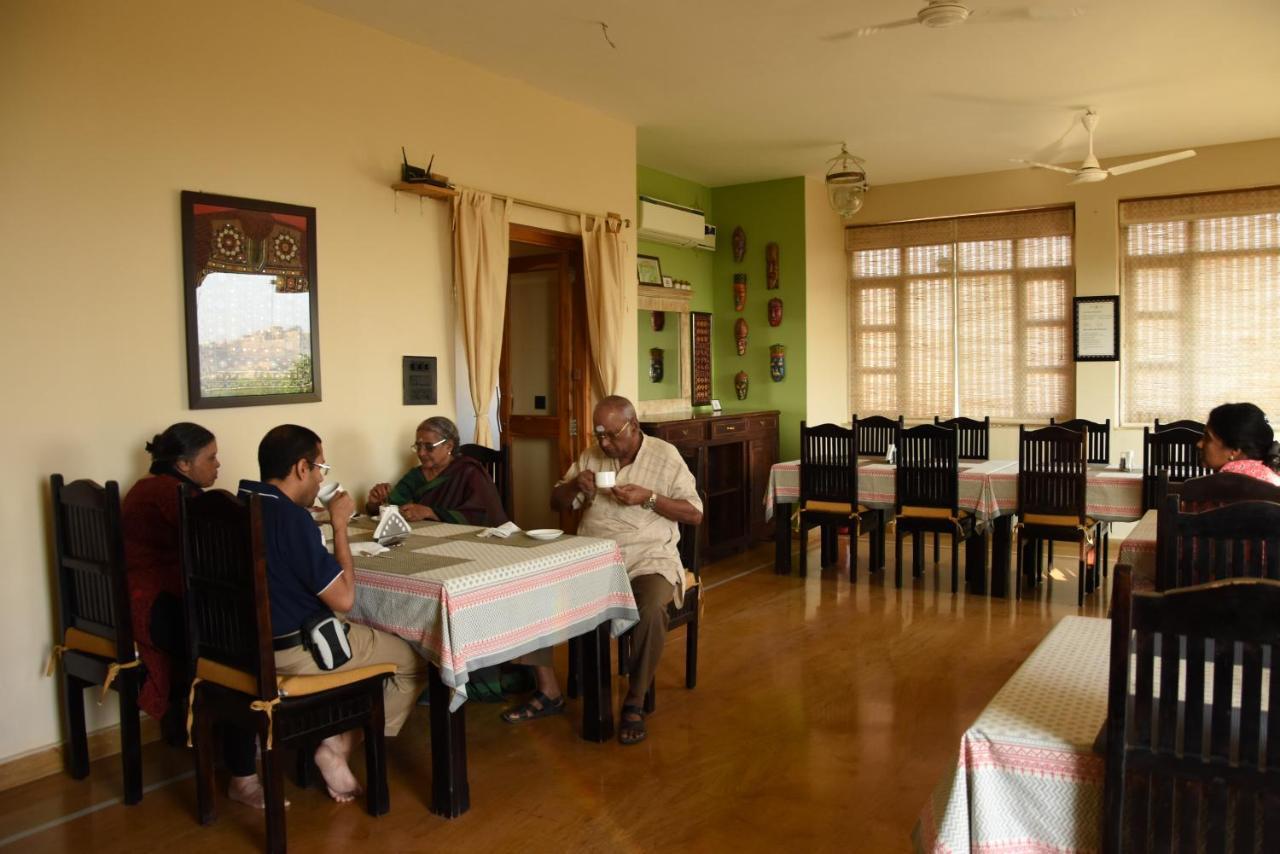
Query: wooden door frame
[{"x": 577, "y": 400}]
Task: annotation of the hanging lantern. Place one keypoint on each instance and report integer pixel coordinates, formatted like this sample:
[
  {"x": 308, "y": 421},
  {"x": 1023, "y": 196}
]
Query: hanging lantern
[{"x": 846, "y": 183}]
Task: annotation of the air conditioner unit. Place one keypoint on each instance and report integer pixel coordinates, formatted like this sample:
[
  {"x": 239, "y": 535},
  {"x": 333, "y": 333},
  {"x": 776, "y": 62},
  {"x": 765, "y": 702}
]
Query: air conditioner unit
[{"x": 672, "y": 224}]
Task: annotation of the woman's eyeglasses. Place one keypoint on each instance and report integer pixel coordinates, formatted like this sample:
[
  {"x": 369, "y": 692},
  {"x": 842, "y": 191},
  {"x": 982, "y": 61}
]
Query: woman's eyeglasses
[{"x": 419, "y": 447}]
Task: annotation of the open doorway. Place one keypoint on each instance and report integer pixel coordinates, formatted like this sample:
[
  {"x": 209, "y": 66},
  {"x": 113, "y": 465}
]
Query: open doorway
[{"x": 544, "y": 391}]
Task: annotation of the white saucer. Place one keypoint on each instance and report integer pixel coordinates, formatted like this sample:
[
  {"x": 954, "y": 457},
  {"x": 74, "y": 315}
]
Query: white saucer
[{"x": 544, "y": 533}]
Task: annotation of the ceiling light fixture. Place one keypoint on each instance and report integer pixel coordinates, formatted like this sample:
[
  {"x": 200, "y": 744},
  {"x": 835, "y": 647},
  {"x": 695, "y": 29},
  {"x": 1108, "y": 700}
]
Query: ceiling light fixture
[{"x": 846, "y": 182}]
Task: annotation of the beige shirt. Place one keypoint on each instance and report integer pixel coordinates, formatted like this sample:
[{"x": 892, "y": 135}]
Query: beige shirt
[{"x": 647, "y": 539}]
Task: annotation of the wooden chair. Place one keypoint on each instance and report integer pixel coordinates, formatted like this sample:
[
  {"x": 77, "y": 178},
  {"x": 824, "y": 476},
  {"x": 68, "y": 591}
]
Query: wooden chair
[
  {"x": 1184, "y": 424},
  {"x": 1214, "y": 490},
  {"x": 927, "y": 495},
  {"x": 1184, "y": 770},
  {"x": 1236, "y": 540},
  {"x": 688, "y": 614},
  {"x": 96, "y": 633},
  {"x": 229, "y": 630},
  {"x": 1099, "y": 450},
  {"x": 973, "y": 437},
  {"x": 1052, "y": 495},
  {"x": 875, "y": 434},
  {"x": 1173, "y": 451},
  {"x": 498, "y": 464},
  {"x": 829, "y": 493}
]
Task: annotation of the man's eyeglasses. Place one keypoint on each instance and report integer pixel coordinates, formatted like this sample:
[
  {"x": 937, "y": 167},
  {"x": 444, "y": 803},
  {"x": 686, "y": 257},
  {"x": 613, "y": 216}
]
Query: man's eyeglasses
[
  {"x": 602, "y": 434},
  {"x": 419, "y": 447},
  {"x": 324, "y": 468}
]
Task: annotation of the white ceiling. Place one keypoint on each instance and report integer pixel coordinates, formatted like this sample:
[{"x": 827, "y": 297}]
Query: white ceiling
[{"x": 730, "y": 91}]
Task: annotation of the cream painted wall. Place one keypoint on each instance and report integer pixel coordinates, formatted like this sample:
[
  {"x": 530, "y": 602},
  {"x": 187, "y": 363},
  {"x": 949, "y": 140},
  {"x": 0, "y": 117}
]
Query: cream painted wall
[
  {"x": 1220, "y": 167},
  {"x": 109, "y": 111}
]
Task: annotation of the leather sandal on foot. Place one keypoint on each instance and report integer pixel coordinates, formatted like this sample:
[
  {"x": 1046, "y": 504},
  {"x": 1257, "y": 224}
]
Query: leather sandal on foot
[
  {"x": 528, "y": 711},
  {"x": 632, "y": 731}
]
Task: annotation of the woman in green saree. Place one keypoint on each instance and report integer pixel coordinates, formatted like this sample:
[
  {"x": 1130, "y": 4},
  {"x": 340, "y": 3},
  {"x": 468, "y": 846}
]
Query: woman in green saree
[{"x": 446, "y": 486}]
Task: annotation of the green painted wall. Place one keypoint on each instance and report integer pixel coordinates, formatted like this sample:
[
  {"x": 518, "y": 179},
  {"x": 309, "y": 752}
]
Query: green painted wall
[
  {"x": 692, "y": 265},
  {"x": 769, "y": 212}
]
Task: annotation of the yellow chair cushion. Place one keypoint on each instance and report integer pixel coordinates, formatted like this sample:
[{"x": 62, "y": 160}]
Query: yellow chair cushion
[
  {"x": 926, "y": 512},
  {"x": 831, "y": 507},
  {"x": 287, "y": 686},
  {"x": 82, "y": 641},
  {"x": 1055, "y": 519},
  {"x": 690, "y": 580}
]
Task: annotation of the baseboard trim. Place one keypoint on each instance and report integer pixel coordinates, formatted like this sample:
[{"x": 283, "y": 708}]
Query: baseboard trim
[{"x": 43, "y": 761}]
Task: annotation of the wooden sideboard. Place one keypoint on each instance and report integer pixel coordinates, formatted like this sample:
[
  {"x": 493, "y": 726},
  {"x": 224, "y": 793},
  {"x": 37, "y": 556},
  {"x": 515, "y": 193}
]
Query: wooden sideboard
[{"x": 738, "y": 449}]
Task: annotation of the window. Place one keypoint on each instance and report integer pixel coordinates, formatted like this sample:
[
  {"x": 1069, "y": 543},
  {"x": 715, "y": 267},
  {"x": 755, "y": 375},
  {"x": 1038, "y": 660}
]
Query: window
[
  {"x": 965, "y": 316},
  {"x": 1200, "y": 288}
]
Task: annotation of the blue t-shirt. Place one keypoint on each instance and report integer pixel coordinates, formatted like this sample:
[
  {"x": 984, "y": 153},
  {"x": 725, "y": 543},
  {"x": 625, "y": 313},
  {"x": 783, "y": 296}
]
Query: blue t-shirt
[{"x": 298, "y": 566}]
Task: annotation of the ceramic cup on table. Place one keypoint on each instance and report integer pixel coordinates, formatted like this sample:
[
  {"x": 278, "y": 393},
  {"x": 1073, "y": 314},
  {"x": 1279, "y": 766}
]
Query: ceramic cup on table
[{"x": 606, "y": 479}]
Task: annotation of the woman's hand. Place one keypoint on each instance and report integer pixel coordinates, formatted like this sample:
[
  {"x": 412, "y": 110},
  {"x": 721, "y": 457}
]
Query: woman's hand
[
  {"x": 417, "y": 512},
  {"x": 377, "y": 497}
]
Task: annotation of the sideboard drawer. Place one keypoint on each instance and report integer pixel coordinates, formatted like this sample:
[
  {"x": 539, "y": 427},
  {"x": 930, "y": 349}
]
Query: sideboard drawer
[
  {"x": 728, "y": 427},
  {"x": 762, "y": 424},
  {"x": 683, "y": 434}
]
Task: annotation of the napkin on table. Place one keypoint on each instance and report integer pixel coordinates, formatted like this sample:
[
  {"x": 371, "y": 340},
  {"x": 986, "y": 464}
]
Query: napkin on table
[
  {"x": 504, "y": 531},
  {"x": 368, "y": 549}
]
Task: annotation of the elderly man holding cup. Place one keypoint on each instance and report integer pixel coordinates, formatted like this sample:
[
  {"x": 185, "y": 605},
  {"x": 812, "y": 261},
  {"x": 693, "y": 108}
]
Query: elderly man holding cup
[{"x": 636, "y": 490}]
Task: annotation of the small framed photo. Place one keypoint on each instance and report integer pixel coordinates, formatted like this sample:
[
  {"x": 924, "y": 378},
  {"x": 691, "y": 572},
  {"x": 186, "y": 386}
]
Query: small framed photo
[
  {"x": 668, "y": 282},
  {"x": 1095, "y": 325},
  {"x": 649, "y": 270},
  {"x": 715, "y": 404}
]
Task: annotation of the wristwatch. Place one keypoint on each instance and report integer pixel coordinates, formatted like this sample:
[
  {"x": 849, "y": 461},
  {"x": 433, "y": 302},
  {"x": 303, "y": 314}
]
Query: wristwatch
[{"x": 651, "y": 502}]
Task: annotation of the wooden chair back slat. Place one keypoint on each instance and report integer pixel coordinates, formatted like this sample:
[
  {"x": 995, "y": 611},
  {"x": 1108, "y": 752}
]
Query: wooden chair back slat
[
  {"x": 1052, "y": 473},
  {"x": 1173, "y": 453},
  {"x": 1183, "y": 424},
  {"x": 1237, "y": 540},
  {"x": 875, "y": 434},
  {"x": 224, "y": 573},
  {"x": 1098, "y": 450},
  {"x": 89, "y": 554},
  {"x": 828, "y": 464},
  {"x": 973, "y": 437},
  {"x": 1166, "y": 787},
  {"x": 927, "y": 469},
  {"x": 1217, "y": 488}
]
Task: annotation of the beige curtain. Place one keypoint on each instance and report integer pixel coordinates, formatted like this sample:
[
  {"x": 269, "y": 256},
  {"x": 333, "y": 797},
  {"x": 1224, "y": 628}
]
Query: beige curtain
[
  {"x": 480, "y": 247},
  {"x": 602, "y": 261}
]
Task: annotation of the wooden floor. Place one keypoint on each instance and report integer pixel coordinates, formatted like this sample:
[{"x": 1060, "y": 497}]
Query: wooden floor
[{"x": 824, "y": 714}]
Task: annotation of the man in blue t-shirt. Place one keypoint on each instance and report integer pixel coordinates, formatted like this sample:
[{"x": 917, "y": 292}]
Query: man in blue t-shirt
[{"x": 303, "y": 579}]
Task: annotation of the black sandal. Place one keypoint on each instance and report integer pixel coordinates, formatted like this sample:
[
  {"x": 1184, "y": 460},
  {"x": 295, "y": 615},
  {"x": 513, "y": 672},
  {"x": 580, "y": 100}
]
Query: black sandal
[
  {"x": 527, "y": 711},
  {"x": 632, "y": 731}
]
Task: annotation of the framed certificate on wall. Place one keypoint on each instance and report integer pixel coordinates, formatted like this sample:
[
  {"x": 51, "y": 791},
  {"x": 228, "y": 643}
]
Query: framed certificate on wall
[{"x": 1095, "y": 325}]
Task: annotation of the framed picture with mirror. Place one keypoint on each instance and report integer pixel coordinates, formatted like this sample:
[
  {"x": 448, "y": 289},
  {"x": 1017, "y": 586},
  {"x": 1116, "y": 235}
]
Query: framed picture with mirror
[{"x": 249, "y": 273}]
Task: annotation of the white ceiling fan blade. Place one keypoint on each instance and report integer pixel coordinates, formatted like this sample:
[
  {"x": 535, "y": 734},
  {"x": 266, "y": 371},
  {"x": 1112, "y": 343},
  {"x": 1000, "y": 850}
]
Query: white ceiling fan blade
[
  {"x": 1024, "y": 13},
  {"x": 1036, "y": 165},
  {"x": 863, "y": 32},
  {"x": 1151, "y": 161}
]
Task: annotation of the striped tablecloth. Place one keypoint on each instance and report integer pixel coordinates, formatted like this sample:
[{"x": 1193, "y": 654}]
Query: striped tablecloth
[
  {"x": 990, "y": 489},
  {"x": 876, "y": 486},
  {"x": 469, "y": 602},
  {"x": 1139, "y": 551},
  {"x": 1026, "y": 777}
]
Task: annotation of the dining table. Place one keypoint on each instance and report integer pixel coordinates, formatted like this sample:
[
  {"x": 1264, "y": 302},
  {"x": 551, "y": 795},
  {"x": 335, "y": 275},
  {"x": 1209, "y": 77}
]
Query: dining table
[
  {"x": 468, "y": 601},
  {"x": 1026, "y": 776},
  {"x": 987, "y": 488},
  {"x": 1139, "y": 551}
]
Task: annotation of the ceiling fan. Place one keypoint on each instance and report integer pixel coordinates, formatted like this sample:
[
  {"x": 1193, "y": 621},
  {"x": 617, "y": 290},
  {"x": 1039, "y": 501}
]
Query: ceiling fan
[
  {"x": 942, "y": 14},
  {"x": 1090, "y": 172}
]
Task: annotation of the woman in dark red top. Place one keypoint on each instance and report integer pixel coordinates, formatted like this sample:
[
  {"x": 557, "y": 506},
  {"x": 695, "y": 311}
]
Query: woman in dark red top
[{"x": 185, "y": 456}]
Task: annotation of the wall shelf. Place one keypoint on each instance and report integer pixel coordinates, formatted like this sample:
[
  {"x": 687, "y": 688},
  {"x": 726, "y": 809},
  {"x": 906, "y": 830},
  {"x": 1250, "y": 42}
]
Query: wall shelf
[{"x": 431, "y": 191}]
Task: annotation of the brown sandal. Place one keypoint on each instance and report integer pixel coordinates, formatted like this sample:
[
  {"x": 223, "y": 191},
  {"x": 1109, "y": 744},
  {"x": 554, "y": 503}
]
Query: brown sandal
[
  {"x": 632, "y": 730},
  {"x": 527, "y": 711}
]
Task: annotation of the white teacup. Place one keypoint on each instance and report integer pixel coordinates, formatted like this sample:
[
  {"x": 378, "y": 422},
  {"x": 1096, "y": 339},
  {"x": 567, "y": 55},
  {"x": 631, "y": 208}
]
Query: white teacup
[
  {"x": 327, "y": 491},
  {"x": 606, "y": 479}
]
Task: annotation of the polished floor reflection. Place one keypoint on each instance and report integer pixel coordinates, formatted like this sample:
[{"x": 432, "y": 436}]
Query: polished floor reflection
[{"x": 824, "y": 714}]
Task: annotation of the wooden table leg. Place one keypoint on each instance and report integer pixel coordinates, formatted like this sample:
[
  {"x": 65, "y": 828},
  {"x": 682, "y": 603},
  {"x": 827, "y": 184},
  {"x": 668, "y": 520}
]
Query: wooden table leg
[
  {"x": 1001, "y": 534},
  {"x": 782, "y": 538},
  {"x": 450, "y": 792},
  {"x": 597, "y": 687}
]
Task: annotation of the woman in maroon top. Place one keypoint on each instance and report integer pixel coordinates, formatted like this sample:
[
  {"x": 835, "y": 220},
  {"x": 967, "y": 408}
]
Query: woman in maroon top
[{"x": 184, "y": 457}]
